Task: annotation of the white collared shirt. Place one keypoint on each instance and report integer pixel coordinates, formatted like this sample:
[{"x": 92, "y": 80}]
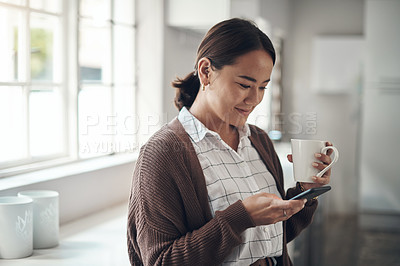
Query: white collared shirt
[{"x": 232, "y": 176}]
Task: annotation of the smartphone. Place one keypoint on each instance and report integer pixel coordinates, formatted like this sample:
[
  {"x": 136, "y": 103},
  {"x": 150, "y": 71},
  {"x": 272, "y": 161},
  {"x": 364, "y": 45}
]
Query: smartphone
[{"x": 312, "y": 193}]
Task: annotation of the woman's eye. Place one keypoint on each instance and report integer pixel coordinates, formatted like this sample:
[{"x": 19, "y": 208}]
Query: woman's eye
[
  {"x": 244, "y": 86},
  {"x": 263, "y": 88}
]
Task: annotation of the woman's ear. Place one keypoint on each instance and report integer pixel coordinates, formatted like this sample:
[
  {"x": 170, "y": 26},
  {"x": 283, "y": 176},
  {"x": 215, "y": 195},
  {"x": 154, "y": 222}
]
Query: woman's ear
[{"x": 204, "y": 68}]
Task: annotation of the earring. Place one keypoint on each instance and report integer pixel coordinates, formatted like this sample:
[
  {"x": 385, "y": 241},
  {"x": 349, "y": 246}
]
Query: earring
[{"x": 203, "y": 87}]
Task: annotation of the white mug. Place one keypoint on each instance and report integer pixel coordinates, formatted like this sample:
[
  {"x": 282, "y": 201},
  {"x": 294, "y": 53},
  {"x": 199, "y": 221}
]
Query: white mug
[
  {"x": 15, "y": 227},
  {"x": 45, "y": 217},
  {"x": 303, "y": 155}
]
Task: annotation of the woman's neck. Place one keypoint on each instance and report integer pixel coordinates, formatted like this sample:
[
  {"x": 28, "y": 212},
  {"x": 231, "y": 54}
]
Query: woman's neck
[{"x": 228, "y": 133}]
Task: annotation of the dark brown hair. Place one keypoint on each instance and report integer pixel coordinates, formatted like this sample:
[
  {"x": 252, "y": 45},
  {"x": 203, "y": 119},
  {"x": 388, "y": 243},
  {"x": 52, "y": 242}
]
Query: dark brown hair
[{"x": 222, "y": 44}]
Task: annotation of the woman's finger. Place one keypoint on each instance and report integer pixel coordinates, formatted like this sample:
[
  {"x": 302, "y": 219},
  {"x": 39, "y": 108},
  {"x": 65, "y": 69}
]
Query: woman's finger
[
  {"x": 290, "y": 158},
  {"x": 326, "y": 159},
  {"x": 321, "y": 180},
  {"x": 319, "y": 166},
  {"x": 330, "y": 151},
  {"x": 294, "y": 206}
]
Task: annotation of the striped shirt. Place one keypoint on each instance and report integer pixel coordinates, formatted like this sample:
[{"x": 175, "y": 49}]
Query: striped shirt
[{"x": 232, "y": 176}]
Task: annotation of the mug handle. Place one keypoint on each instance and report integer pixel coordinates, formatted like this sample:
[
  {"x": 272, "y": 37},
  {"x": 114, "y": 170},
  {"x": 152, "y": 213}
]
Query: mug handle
[{"x": 323, "y": 150}]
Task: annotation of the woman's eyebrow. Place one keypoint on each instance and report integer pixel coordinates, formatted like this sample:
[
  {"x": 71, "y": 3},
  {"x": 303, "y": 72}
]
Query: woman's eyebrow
[{"x": 253, "y": 79}]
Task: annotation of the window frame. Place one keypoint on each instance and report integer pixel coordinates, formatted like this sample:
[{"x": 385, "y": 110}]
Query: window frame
[
  {"x": 28, "y": 86},
  {"x": 70, "y": 84}
]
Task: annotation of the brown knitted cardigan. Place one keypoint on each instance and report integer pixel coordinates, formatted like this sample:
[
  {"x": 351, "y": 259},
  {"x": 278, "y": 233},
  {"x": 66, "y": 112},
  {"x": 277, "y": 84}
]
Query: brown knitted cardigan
[{"x": 169, "y": 220}]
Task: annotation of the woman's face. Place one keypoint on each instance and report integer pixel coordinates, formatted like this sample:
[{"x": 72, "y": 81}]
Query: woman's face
[{"x": 235, "y": 90}]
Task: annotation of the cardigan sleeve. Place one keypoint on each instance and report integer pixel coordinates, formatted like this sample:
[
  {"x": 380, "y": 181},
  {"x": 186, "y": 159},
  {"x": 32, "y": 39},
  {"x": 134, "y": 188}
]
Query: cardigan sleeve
[{"x": 166, "y": 225}]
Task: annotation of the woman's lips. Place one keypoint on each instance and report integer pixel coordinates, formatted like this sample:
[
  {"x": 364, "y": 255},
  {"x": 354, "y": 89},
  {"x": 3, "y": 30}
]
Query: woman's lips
[{"x": 243, "y": 112}]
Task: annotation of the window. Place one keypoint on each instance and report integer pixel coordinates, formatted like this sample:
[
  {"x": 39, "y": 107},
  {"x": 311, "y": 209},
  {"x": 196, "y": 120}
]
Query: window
[
  {"x": 66, "y": 81},
  {"x": 106, "y": 71}
]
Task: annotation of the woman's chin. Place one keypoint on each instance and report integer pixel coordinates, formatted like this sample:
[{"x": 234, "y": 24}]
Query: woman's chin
[{"x": 238, "y": 123}]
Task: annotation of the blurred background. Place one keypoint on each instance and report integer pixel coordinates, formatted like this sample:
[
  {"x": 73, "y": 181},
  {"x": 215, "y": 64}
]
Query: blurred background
[{"x": 84, "y": 83}]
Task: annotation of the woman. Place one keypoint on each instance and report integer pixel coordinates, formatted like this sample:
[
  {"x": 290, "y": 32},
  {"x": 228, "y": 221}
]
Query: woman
[{"x": 208, "y": 188}]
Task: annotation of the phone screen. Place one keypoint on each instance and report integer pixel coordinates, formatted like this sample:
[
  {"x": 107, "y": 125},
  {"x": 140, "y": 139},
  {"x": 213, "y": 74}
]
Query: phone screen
[{"x": 312, "y": 193}]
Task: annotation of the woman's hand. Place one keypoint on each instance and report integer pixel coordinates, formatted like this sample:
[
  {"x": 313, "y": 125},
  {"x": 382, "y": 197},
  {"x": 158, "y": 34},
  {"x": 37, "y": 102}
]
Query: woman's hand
[
  {"x": 324, "y": 160},
  {"x": 265, "y": 208}
]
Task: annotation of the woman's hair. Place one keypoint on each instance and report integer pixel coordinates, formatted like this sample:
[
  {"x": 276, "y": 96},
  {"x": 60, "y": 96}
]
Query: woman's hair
[{"x": 222, "y": 44}]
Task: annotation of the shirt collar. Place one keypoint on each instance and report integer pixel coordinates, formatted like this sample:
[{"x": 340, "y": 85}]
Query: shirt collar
[{"x": 197, "y": 130}]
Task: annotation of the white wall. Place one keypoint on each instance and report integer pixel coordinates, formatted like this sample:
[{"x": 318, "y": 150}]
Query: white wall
[
  {"x": 336, "y": 115},
  {"x": 180, "y": 51},
  {"x": 150, "y": 67},
  {"x": 380, "y": 143},
  {"x": 278, "y": 14}
]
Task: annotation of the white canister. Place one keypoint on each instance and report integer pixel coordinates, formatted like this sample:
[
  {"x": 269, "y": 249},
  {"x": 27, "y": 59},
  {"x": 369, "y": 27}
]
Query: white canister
[
  {"x": 15, "y": 227},
  {"x": 45, "y": 217}
]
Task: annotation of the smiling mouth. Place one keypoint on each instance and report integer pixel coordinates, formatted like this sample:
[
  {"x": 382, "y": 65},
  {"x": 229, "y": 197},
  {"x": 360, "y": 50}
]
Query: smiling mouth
[{"x": 243, "y": 111}]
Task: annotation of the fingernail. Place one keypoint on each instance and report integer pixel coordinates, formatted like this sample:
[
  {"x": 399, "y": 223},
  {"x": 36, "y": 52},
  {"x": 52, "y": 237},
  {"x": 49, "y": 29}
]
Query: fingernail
[
  {"x": 317, "y": 155},
  {"x": 314, "y": 178},
  {"x": 314, "y": 164}
]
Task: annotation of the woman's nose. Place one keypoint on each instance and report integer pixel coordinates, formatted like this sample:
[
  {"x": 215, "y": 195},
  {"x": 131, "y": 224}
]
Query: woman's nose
[{"x": 254, "y": 97}]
